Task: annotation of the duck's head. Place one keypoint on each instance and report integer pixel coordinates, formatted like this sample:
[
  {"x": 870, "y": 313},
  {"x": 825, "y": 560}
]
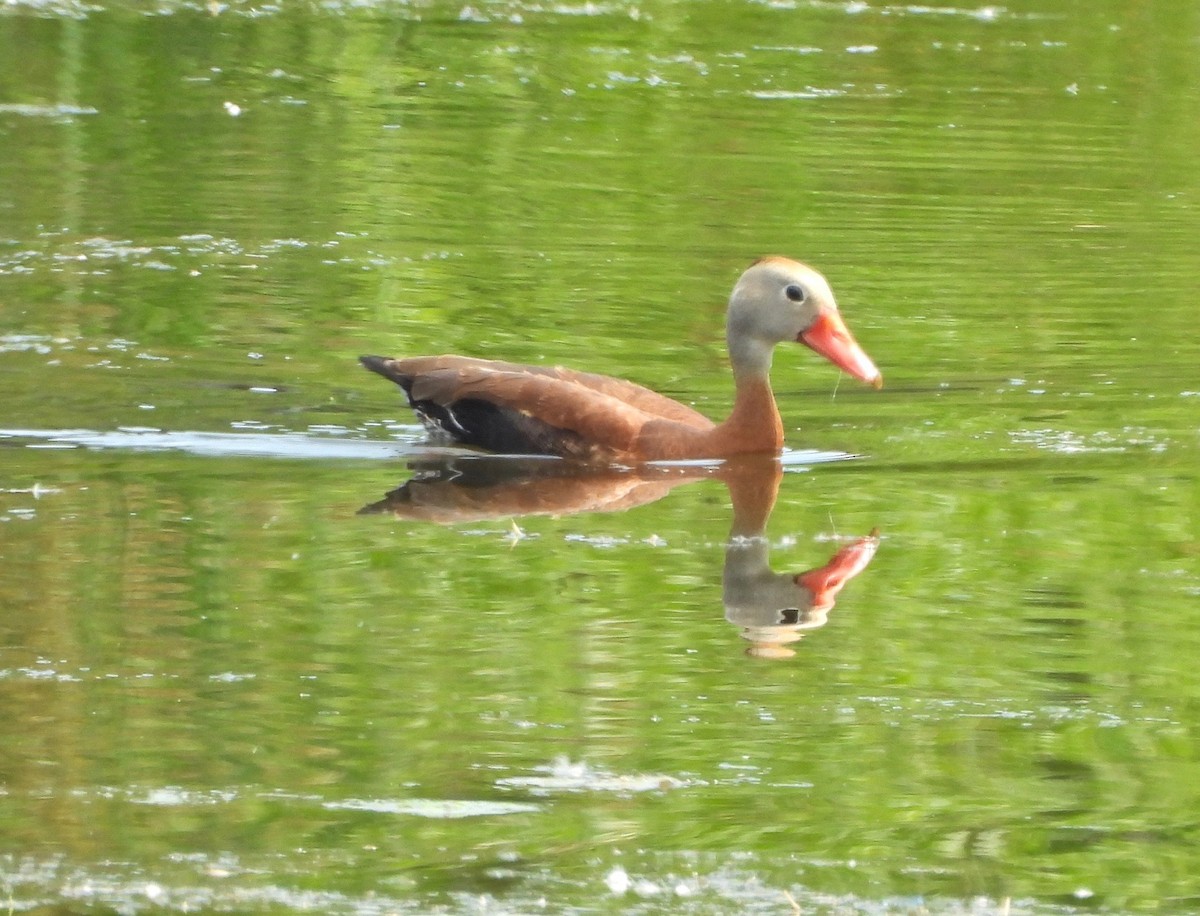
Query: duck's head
[{"x": 778, "y": 300}]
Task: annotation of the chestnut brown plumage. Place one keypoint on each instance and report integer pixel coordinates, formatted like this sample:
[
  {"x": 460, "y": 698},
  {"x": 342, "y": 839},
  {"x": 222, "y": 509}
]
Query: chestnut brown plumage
[{"x": 516, "y": 409}]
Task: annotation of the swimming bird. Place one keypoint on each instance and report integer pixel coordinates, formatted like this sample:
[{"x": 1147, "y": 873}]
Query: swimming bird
[{"x": 536, "y": 410}]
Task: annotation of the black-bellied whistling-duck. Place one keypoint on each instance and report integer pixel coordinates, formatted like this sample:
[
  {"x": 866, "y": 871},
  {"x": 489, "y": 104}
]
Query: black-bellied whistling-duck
[
  {"x": 774, "y": 609},
  {"x": 514, "y": 409}
]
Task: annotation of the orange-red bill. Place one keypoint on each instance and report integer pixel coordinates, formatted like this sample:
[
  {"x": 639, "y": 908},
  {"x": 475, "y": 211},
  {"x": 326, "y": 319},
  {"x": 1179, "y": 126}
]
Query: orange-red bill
[
  {"x": 830, "y": 337},
  {"x": 826, "y": 581}
]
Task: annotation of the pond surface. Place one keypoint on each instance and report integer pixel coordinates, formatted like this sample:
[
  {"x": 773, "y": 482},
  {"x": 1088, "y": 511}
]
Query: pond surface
[{"x": 247, "y": 666}]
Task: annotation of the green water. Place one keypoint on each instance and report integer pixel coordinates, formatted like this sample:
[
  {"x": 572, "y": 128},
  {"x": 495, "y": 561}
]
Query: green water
[{"x": 223, "y": 689}]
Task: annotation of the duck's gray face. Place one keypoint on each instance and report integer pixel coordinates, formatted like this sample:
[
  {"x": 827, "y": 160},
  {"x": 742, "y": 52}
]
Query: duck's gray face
[{"x": 778, "y": 300}]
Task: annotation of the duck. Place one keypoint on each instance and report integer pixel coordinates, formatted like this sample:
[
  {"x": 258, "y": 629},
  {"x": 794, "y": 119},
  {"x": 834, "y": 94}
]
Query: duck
[{"x": 515, "y": 409}]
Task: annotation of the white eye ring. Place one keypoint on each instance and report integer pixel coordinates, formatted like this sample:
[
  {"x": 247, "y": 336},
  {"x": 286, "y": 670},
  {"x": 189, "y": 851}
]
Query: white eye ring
[{"x": 794, "y": 292}]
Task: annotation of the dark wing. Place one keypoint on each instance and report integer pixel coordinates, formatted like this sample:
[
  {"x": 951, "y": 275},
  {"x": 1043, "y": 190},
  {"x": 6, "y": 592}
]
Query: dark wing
[
  {"x": 638, "y": 396},
  {"x": 514, "y": 409}
]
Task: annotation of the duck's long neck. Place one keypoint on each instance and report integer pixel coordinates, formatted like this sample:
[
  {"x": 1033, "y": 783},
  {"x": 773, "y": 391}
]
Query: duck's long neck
[{"x": 754, "y": 425}]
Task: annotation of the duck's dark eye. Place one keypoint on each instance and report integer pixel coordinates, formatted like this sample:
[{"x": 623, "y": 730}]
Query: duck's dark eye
[{"x": 795, "y": 293}]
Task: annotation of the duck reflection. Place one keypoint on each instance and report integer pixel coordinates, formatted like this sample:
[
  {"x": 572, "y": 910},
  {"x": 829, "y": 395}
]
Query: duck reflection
[
  {"x": 771, "y": 610},
  {"x": 482, "y": 488}
]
